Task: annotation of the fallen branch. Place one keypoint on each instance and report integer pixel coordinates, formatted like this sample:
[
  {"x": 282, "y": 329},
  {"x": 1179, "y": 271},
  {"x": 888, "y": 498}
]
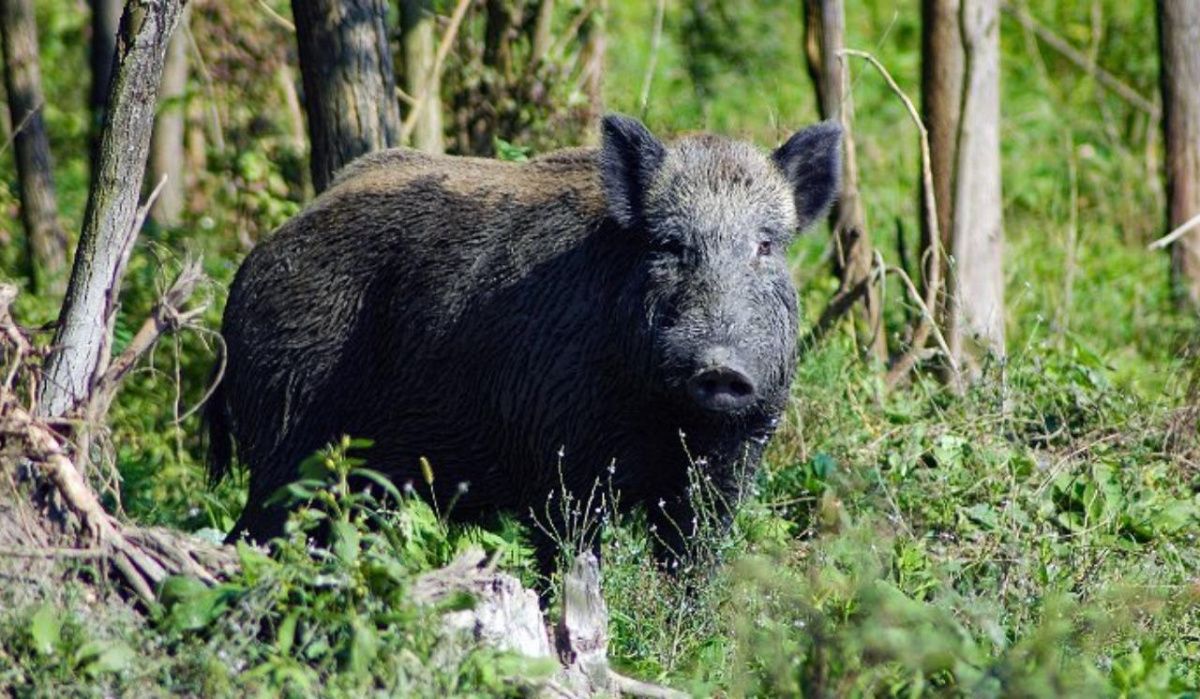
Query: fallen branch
[{"x": 143, "y": 557}]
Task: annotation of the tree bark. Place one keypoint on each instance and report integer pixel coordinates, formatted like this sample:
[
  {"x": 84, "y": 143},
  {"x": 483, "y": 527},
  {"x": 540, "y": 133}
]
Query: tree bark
[
  {"x": 80, "y": 344},
  {"x": 48, "y": 510},
  {"x": 942, "y": 62},
  {"x": 1179, "y": 42},
  {"x": 106, "y": 16},
  {"x": 349, "y": 89},
  {"x": 46, "y": 242},
  {"x": 167, "y": 157},
  {"x": 825, "y": 28},
  {"x": 417, "y": 38},
  {"x": 975, "y": 324}
]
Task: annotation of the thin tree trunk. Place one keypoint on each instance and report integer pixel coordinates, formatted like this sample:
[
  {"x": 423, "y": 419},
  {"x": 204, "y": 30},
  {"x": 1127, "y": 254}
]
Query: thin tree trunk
[
  {"x": 594, "y": 48},
  {"x": 542, "y": 35},
  {"x": 166, "y": 147},
  {"x": 47, "y": 244},
  {"x": 106, "y": 15},
  {"x": 825, "y": 38},
  {"x": 349, "y": 89},
  {"x": 1179, "y": 41},
  {"x": 109, "y": 226},
  {"x": 976, "y": 282},
  {"x": 417, "y": 38},
  {"x": 942, "y": 62}
]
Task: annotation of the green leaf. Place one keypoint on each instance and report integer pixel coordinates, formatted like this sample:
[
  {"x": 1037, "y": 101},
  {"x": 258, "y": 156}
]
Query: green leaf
[
  {"x": 191, "y": 604},
  {"x": 511, "y": 153},
  {"x": 344, "y": 539},
  {"x": 179, "y": 588},
  {"x": 254, "y": 562},
  {"x": 364, "y": 645},
  {"x": 983, "y": 515},
  {"x": 95, "y": 658},
  {"x": 380, "y": 480},
  {"x": 45, "y": 629},
  {"x": 314, "y": 468},
  {"x": 296, "y": 492},
  {"x": 286, "y": 635}
]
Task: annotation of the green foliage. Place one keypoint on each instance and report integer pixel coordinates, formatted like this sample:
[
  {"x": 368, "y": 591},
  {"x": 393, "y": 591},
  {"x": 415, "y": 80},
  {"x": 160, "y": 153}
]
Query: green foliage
[
  {"x": 334, "y": 619},
  {"x": 1035, "y": 537}
]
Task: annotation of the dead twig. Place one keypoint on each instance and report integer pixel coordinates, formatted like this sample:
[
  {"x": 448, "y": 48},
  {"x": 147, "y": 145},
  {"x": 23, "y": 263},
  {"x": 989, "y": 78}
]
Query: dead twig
[
  {"x": 144, "y": 558},
  {"x": 933, "y": 273},
  {"x": 1083, "y": 62},
  {"x": 925, "y": 310},
  {"x": 167, "y": 316},
  {"x": 660, "y": 11},
  {"x": 12, "y": 136},
  {"x": 573, "y": 29},
  {"x": 54, "y": 552},
  {"x": 1180, "y": 231}
]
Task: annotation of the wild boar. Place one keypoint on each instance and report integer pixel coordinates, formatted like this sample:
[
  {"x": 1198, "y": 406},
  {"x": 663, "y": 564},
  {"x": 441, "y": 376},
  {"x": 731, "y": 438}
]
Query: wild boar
[{"x": 618, "y": 314}]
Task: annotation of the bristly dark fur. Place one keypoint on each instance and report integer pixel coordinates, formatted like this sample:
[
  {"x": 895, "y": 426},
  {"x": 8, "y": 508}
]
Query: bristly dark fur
[{"x": 504, "y": 320}]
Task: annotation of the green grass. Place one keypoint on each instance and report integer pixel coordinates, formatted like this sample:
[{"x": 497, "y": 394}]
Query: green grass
[{"x": 1035, "y": 537}]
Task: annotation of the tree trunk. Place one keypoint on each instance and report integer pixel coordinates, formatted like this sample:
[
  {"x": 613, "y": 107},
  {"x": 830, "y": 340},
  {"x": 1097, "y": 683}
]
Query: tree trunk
[
  {"x": 941, "y": 101},
  {"x": 417, "y": 38},
  {"x": 349, "y": 89},
  {"x": 1179, "y": 42},
  {"x": 166, "y": 147},
  {"x": 106, "y": 15},
  {"x": 975, "y": 323},
  {"x": 542, "y": 35},
  {"x": 825, "y": 36},
  {"x": 594, "y": 48},
  {"x": 47, "y": 507},
  {"x": 110, "y": 220},
  {"x": 47, "y": 244}
]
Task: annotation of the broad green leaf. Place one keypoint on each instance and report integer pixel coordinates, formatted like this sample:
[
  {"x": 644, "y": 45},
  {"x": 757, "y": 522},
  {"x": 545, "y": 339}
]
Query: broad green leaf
[
  {"x": 95, "y": 658},
  {"x": 45, "y": 628}
]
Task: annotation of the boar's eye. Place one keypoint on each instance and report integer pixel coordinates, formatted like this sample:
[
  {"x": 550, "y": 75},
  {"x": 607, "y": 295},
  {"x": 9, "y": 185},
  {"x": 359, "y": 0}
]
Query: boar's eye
[{"x": 765, "y": 248}]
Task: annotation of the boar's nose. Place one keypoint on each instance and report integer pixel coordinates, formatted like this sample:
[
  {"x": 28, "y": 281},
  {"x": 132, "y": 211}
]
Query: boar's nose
[{"x": 721, "y": 389}]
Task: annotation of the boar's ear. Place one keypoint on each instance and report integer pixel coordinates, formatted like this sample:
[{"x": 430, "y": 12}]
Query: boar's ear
[
  {"x": 811, "y": 160},
  {"x": 629, "y": 156}
]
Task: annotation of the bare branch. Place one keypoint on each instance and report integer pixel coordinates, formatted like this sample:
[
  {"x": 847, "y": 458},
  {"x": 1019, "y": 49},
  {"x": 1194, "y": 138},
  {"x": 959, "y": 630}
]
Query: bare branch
[
  {"x": 167, "y": 316},
  {"x": 1176, "y": 234},
  {"x": 655, "y": 41},
  {"x": 1083, "y": 62},
  {"x": 933, "y": 272}
]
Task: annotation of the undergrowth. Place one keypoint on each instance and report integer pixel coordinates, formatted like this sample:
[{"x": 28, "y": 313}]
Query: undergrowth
[{"x": 1034, "y": 537}]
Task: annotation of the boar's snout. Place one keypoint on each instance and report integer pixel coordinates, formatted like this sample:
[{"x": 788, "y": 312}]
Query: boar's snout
[{"x": 721, "y": 385}]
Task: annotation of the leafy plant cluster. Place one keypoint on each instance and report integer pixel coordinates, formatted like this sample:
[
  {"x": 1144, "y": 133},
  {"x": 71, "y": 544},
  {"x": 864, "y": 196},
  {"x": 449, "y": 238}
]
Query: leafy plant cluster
[
  {"x": 329, "y": 618},
  {"x": 1036, "y": 537}
]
